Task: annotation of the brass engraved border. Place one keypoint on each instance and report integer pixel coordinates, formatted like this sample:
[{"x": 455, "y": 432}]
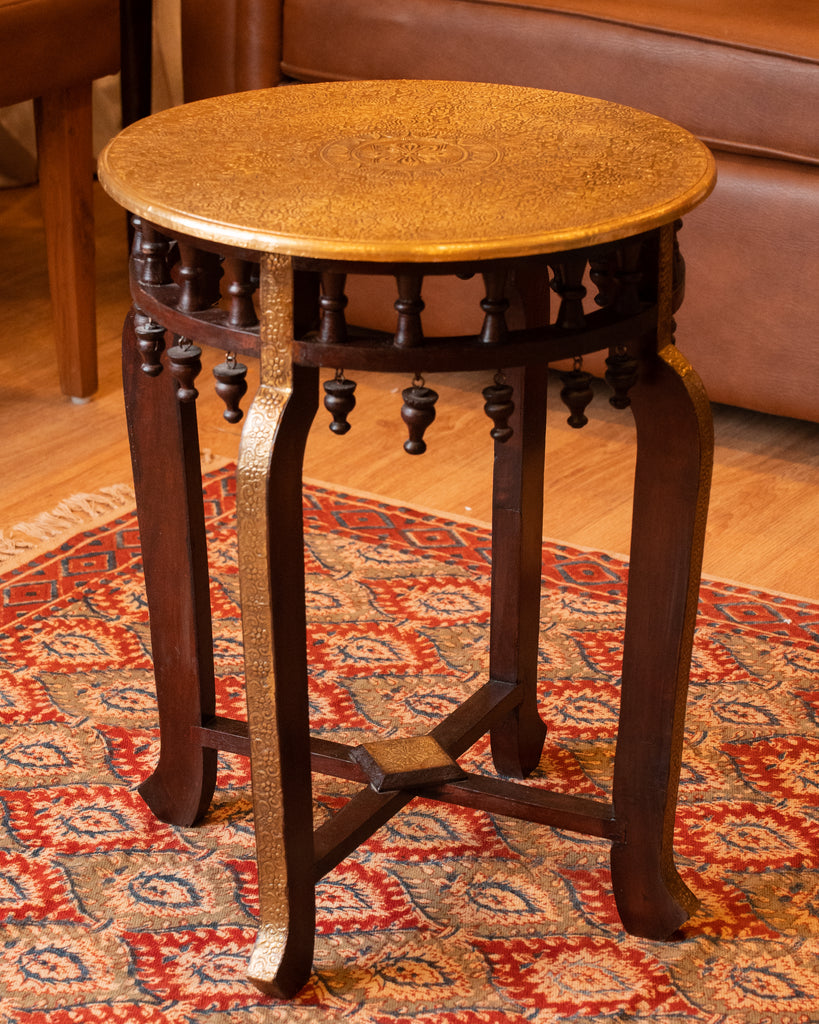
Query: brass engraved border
[{"x": 258, "y": 438}]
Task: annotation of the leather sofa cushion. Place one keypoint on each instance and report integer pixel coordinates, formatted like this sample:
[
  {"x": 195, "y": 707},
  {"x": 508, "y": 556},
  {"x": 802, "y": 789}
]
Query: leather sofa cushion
[
  {"x": 743, "y": 76},
  {"x": 53, "y": 44}
]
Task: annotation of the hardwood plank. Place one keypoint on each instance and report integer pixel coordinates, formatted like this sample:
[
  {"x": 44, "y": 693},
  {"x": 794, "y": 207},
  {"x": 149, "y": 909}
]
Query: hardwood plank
[{"x": 765, "y": 499}]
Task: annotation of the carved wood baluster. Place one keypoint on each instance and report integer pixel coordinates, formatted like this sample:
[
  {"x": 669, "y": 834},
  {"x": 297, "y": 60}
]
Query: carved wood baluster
[
  {"x": 150, "y": 254},
  {"x": 186, "y": 365},
  {"x": 568, "y": 283},
  {"x": 150, "y": 341},
  {"x": 418, "y": 411},
  {"x": 199, "y": 273},
  {"x": 495, "y": 305},
  {"x": 601, "y": 272},
  {"x": 231, "y": 386},
  {"x": 332, "y": 303},
  {"x": 409, "y": 305},
  {"x": 677, "y": 260},
  {"x": 629, "y": 276},
  {"x": 240, "y": 289},
  {"x": 136, "y": 235}
]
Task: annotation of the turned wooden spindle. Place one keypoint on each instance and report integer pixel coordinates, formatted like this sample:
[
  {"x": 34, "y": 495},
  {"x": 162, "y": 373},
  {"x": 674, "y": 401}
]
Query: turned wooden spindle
[
  {"x": 576, "y": 393},
  {"x": 601, "y": 272},
  {"x": 186, "y": 365},
  {"x": 568, "y": 283},
  {"x": 332, "y": 303},
  {"x": 628, "y": 275},
  {"x": 231, "y": 386},
  {"x": 135, "y": 224},
  {"x": 678, "y": 261},
  {"x": 150, "y": 254},
  {"x": 409, "y": 305},
  {"x": 150, "y": 341},
  {"x": 199, "y": 273},
  {"x": 498, "y": 406},
  {"x": 417, "y": 412},
  {"x": 494, "y": 305},
  {"x": 339, "y": 401},
  {"x": 242, "y": 281}
]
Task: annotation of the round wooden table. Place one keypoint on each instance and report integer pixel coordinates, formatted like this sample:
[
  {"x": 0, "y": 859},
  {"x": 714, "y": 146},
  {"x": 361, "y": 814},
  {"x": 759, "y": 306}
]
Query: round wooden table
[{"x": 251, "y": 211}]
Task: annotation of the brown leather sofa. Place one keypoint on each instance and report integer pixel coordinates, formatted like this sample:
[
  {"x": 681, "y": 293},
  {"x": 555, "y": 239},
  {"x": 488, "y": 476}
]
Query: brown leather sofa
[{"x": 741, "y": 74}]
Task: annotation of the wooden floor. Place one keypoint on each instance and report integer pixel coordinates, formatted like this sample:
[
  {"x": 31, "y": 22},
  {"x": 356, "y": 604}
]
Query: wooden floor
[{"x": 763, "y": 527}]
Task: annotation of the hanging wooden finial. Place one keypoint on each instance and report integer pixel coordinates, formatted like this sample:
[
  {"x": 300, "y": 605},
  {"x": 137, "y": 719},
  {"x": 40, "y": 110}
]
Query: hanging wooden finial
[
  {"x": 339, "y": 401},
  {"x": 418, "y": 411},
  {"x": 150, "y": 341},
  {"x": 498, "y": 406},
  {"x": 186, "y": 365},
  {"x": 231, "y": 386},
  {"x": 577, "y": 393}
]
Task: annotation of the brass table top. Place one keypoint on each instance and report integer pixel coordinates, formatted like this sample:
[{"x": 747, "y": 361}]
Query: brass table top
[{"x": 411, "y": 171}]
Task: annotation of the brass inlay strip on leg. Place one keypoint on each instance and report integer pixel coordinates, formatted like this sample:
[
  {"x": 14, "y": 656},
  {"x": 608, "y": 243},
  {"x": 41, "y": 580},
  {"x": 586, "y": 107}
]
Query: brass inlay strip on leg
[{"x": 258, "y": 436}]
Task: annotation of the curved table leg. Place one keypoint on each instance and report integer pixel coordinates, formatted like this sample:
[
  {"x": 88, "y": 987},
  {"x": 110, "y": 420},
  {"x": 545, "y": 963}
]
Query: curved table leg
[
  {"x": 517, "y": 552},
  {"x": 271, "y": 568},
  {"x": 168, "y": 483},
  {"x": 674, "y": 455}
]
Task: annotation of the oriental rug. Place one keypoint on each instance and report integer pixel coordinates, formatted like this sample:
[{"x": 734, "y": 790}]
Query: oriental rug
[{"x": 447, "y": 915}]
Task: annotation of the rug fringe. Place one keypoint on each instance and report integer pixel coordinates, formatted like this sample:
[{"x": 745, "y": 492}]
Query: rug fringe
[
  {"x": 25, "y": 541},
  {"x": 82, "y": 511},
  {"x": 75, "y": 512}
]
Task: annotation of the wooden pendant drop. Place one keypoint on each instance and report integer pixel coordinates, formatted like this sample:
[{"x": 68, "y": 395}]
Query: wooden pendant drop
[
  {"x": 418, "y": 411},
  {"x": 186, "y": 365},
  {"x": 339, "y": 401},
  {"x": 231, "y": 386},
  {"x": 150, "y": 341},
  {"x": 577, "y": 393}
]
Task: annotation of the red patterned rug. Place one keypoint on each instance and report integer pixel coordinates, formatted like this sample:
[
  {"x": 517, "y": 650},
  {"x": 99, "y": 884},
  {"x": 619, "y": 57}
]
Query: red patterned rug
[{"x": 446, "y": 916}]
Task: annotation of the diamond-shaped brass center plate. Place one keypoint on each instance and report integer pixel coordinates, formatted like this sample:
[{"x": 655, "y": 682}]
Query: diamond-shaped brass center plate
[{"x": 406, "y": 762}]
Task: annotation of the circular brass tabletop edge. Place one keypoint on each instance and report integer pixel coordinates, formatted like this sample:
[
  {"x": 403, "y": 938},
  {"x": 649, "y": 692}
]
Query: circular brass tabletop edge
[
  {"x": 173, "y": 217},
  {"x": 385, "y": 251}
]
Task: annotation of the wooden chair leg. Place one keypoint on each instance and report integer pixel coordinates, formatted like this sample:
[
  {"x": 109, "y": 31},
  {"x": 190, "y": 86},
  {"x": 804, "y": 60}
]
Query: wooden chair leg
[
  {"x": 517, "y": 545},
  {"x": 135, "y": 20},
  {"x": 674, "y": 454},
  {"x": 65, "y": 155}
]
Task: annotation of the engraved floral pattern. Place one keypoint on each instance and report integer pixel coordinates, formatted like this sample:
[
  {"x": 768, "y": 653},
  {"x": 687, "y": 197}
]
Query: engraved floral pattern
[
  {"x": 407, "y": 153},
  {"x": 262, "y": 423},
  {"x": 407, "y": 170}
]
